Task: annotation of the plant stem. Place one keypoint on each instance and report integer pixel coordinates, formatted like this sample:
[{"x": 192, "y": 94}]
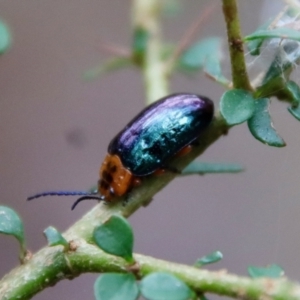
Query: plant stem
[
  {"x": 89, "y": 258},
  {"x": 51, "y": 264},
  {"x": 240, "y": 77},
  {"x": 146, "y": 16},
  {"x": 30, "y": 278}
]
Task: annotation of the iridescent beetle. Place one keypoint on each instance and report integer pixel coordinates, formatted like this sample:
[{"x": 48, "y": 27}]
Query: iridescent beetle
[{"x": 159, "y": 132}]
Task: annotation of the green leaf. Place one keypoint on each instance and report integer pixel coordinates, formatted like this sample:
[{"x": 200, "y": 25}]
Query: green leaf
[
  {"x": 11, "y": 224},
  {"x": 115, "y": 237},
  {"x": 205, "y": 54},
  {"x": 195, "y": 56},
  {"x": 209, "y": 259},
  {"x": 295, "y": 111},
  {"x": 273, "y": 87},
  {"x": 201, "y": 168},
  {"x": 55, "y": 238},
  {"x": 236, "y": 106},
  {"x": 109, "y": 66},
  {"x": 254, "y": 45},
  {"x": 140, "y": 41},
  {"x": 212, "y": 68},
  {"x": 272, "y": 271},
  {"x": 5, "y": 37},
  {"x": 202, "y": 297},
  {"x": 286, "y": 60},
  {"x": 294, "y": 90},
  {"x": 261, "y": 126},
  {"x": 282, "y": 33},
  {"x": 113, "y": 286},
  {"x": 164, "y": 286},
  {"x": 287, "y": 57}
]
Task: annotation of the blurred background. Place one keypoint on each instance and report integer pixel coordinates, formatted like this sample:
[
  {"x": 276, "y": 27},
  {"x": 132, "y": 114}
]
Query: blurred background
[{"x": 55, "y": 129}]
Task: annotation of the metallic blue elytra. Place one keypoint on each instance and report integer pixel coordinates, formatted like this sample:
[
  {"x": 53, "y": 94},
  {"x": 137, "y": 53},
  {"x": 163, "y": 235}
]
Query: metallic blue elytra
[
  {"x": 160, "y": 131},
  {"x": 146, "y": 144}
]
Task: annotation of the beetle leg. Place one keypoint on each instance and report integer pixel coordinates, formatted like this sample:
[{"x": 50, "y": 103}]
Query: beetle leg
[{"x": 184, "y": 151}]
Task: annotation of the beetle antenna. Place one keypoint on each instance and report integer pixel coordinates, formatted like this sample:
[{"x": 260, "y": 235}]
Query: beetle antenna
[
  {"x": 87, "y": 197},
  {"x": 62, "y": 193}
]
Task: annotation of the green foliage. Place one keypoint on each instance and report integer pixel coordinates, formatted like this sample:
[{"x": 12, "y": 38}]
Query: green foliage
[
  {"x": 5, "y": 37},
  {"x": 113, "y": 286},
  {"x": 261, "y": 126},
  {"x": 195, "y": 57},
  {"x": 201, "y": 168},
  {"x": 11, "y": 224},
  {"x": 139, "y": 45},
  {"x": 254, "y": 45},
  {"x": 209, "y": 259},
  {"x": 204, "y": 55},
  {"x": 115, "y": 237},
  {"x": 164, "y": 286},
  {"x": 294, "y": 91},
  {"x": 286, "y": 58},
  {"x": 282, "y": 33},
  {"x": 54, "y": 237},
  {"x": 236, "y": 106},
  {"x": 287, "y": 55},
  {"x": 272, "y": 271}
]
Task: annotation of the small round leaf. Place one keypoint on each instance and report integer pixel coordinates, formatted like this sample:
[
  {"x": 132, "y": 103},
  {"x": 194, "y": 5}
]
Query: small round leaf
[
  {"x": 5, "y": 37},
  {"x": 11, "y": 224},
  {"x": 115, "y": 237},
  {"x": 54, "y": 237},
  {"x": 261, "y": 126},
  {"x": 113, "y": 286},
  {"x": 164, "y": 286},
  {"x": 209, "y": 259},
  {"x": 236, "y": 106}
]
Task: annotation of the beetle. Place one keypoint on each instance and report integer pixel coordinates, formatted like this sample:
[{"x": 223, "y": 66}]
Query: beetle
[{"x": 147, "y": 143}]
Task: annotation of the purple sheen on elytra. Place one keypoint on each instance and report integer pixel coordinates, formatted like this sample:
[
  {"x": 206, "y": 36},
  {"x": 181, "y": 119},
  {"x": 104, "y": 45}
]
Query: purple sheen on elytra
[{"x": 161, "y": 130}]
